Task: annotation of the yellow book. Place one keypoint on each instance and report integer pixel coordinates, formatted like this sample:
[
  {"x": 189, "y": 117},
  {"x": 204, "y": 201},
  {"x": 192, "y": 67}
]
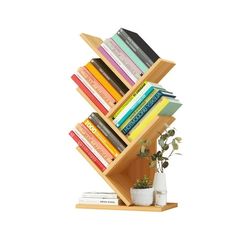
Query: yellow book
[
  {"x": 100, "y": 136},
  {"x": 129, "y": 100},
  {"x": 103, "y": 81},
  {"x": 148, "y": 118}
]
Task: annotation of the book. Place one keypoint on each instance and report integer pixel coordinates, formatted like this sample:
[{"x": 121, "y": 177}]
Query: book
[
  {"x": 97, "y": 86},
  {"x": 101, "y": 137},
  {"x": 110, "y": 76},
  {"x": 144, "y": 109},
  {"x": 105, "y": 195},
  {"x": 107, "y": 131},
  {"x": 89, "y": 94},
  {"x": 130, "y": 53},
  {"x": 94, "y": 142},
  {"x": 114, "y": 64},
  {"x": 92, "y": 149},
  {"x": 139, "y": 46},
  {"x": 86, "y": 150},
  {"x": 103, "y": 81},
  {"x": 134, "y": 103},
  {"x": 123, "y": 58},
  {"x": 100, "y": 201},
  {"x": 166, "y": 106}
]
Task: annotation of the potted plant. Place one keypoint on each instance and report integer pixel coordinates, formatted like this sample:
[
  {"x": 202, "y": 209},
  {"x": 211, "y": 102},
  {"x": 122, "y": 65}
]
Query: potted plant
[
  {"x": 142, "y": 192},
  {"x": 168, "y": 144}
]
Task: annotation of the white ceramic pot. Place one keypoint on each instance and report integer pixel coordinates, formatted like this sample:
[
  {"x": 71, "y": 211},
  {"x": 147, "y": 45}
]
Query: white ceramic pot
[
  {"x": 142, "y": 197},
  {"x": 160, "y": 189}
]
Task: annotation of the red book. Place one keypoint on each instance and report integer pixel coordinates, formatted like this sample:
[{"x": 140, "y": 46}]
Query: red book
[
  {"x": 87, "y": 151},
  {"x": 89, "y": 94}
]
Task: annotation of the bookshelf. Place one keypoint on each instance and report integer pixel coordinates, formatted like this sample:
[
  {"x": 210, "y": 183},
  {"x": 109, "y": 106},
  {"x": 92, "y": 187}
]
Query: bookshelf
[{"x": 127, "y": 167}]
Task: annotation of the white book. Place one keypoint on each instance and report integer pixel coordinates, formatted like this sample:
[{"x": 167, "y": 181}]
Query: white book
[
  {"x": 119, "y": 62},
  {"x": 93, "y": 91},
  {"x": 99, "y": 201},
  {"x": 92, "y": 149},
  {"x": 99, "y": 195}
]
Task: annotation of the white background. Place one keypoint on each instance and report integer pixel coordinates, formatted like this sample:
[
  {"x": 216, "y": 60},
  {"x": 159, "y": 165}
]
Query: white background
[{"x": 41, "y": 173}]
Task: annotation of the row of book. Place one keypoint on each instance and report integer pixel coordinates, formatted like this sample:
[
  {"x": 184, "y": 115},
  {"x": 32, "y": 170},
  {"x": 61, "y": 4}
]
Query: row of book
[
  {"x": 100, "y": 198},
  {"x": 100, "y": 84},
  {"x": 129, "y": 54},
  {"x": 98, "y": 141},
  {"x": 146, "y": 103}
]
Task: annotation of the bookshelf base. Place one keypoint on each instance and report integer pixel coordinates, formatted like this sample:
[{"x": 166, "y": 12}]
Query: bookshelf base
[{"x": 128, "y": 208}]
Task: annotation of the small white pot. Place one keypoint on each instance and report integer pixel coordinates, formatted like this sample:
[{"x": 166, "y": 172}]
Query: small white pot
[{"x": 142, "y": 197}]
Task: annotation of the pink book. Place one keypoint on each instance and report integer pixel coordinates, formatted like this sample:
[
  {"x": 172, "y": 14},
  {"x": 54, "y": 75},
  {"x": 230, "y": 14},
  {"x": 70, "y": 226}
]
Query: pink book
[{"x": 114, "y": 64}]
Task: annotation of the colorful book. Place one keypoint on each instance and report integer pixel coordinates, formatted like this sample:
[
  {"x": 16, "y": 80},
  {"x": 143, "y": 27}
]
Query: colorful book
[
  {"x": 87, "y": 151},
  {"x": 130, "y": 53},
  {"x": 97, "y": 86},
  {"x": 138, "y": 46},
  {"x": 89, "y": 94},
  {"x": 95, "y": 142},
  {"x": 166, "y": 106},
  {"x": 106, "y": 195},
  {"x": 101, "y": 137},
  {"x": 134, "y": 103},
  {"x": 110, "y": 76},
  {"x": 103, "y": 81},
  {"x": 144, "y": 109},
  {"x": 114, "y": 64},
  {"x": 99, "y": 201},
  {"x": 107, "y": 131}
]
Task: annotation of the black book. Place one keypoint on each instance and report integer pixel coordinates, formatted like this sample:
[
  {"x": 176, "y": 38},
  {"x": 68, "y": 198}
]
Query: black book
[
  {"x": 138, "y": 46},
  {"x": 109, "y": 75},
  {"x": 107, "y": 131}
]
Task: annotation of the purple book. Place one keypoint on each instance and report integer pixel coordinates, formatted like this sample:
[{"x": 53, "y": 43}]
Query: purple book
[{"x": 114, "y": 64}]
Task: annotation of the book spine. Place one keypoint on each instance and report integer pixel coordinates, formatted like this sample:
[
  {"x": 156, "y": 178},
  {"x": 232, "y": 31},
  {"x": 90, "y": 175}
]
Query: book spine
[
  {"x": 108, "y": 133},
  {"x": 147, "y": 119},
  {"x": 100, "y": 201},
  {"x": 86, "y": 150},
  {"x": 92, "y": 149},
  {"x": 130, "y": 53},
  {"x": 97, "y": 86},
  {"x": 109, "y": 79},
  {"x": 125, "y": 60},
  {"x": 89, "y": 94},
  {"x": 118, "y": 62},
  {"x": 103, "y": 81},
  {"x": 101, "y": 138},
  {"x": 135, "y": 48},
  {"x": 95, "y": 142},
  {"x": 93, "y": 91},
  {"x": 129, "y": 100},
  {"x": 98, "y": 195},
  {"x": 114, "y": 64}
]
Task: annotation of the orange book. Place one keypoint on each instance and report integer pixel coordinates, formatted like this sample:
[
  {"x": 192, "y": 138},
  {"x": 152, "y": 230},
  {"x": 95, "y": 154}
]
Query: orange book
[
  {"x": 103, "y": 81},
  {"x": 100, "y": 136}
]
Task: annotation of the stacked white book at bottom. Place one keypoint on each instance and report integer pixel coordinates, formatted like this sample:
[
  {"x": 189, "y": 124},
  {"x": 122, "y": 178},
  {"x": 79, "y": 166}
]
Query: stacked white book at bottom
[{"x": 100, "y": 198}]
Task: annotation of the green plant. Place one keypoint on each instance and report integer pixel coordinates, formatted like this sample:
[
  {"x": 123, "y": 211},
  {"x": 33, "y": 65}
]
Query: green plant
[
  {"x": 143, "y": 183},
  {"x": 168, "y": 144}
]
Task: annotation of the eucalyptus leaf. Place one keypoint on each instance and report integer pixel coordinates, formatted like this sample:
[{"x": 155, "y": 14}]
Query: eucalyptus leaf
[
  {"x": 165, "y": 164},
  {"x": 178, "y": 139},
  {"x": 161, "y": 142}
]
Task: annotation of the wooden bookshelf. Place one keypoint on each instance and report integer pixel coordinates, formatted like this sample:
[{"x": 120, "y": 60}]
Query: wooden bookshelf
[{"x": 127, "y": 167}]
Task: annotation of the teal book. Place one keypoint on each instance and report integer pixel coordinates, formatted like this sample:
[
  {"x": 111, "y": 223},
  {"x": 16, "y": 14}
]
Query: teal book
[{"x": 130, "y": 53}]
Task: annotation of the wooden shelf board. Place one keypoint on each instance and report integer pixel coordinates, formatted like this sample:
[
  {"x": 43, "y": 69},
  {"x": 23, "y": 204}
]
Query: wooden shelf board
[
  {"x": 129, "y": 208},
  {"x": 94, "y": 43}
]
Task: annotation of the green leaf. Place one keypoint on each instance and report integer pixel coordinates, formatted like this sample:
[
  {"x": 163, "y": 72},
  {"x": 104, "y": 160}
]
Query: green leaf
[
  {"x": 171, "y": 132},
  {"x": 161, "y": 142},
  {"x": 177, "y": 153},
  {"x": 178, "y": 139},
  {"x": 165, "y": 164},
  {"x": 174, "y": 145},
  {"x": 165, "y": 147}
]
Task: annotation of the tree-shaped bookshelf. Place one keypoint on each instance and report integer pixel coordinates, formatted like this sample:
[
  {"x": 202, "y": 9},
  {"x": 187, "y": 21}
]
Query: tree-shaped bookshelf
[{"x": 127, "y": 167}]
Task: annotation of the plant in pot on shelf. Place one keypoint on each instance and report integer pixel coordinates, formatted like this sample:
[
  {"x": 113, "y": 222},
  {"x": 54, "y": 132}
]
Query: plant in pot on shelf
[
  {"x": 168, "y": 144},
  {"x": 142, "y": 192}
]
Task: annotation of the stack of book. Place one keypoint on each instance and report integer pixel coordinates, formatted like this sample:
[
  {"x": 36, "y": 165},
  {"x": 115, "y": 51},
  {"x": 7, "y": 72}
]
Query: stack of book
[
  {"x": 100, "y": 198},
  {"x": 100, "y": 84},
  {"x": 129, "y": 54},
  {"x": 101, "y": 144},
  {"x": 146, "y": 103}
]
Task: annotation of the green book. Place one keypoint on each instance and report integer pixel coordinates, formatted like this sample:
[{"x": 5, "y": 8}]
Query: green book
[{"x": 130, "y": 53}]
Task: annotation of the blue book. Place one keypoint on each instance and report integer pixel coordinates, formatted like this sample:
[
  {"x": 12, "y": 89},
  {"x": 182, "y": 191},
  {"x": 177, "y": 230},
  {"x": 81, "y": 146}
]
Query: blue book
[
  {"x": 132, "y": 109},
  {"x": 157, "y": 96}
]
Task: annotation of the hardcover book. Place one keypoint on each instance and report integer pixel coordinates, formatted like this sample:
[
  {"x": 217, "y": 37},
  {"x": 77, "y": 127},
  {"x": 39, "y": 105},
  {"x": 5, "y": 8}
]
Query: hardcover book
[
  {"x": 99, "y": 201},
  {"x": 105, "y": 195}
]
